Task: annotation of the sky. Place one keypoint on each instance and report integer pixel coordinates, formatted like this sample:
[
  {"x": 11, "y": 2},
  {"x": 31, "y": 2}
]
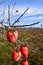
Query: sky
[{"x": 34, "y": 14}]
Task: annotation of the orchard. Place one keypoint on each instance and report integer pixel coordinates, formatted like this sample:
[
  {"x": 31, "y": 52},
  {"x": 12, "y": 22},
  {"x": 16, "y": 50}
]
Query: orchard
[
  {"x": 22, "y": 47},
  {"x": 19, "y": 46}
]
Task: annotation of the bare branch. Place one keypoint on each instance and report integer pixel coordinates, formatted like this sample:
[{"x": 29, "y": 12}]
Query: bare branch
[
  {"x": 20, "y": 16},
  {"x": 13, "y": 8},
  {"x": 27, "y": 25}
]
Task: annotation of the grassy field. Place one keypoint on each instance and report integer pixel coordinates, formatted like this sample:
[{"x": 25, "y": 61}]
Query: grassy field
[{"x": 33, "y": 37}]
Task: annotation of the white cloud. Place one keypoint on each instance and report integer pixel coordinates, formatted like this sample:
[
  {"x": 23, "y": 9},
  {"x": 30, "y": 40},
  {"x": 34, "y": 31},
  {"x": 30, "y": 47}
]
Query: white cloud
[
  {"x": 33, "y": 18},
  {"x": 31, "y": 11},
  {"x": 34, "y": 11}
]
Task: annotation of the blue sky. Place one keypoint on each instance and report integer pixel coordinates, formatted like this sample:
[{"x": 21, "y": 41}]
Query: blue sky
[{"x": 34, "y": 14}]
